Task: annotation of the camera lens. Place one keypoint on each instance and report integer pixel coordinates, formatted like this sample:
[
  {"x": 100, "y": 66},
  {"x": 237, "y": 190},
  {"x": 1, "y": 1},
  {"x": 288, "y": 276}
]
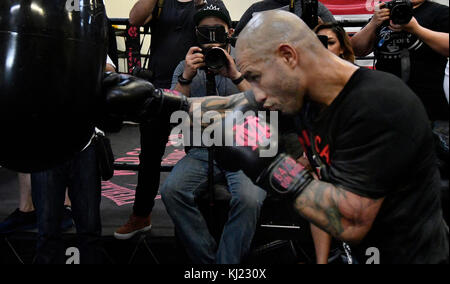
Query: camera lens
[
  {"x": 215, "y": 58},
  {"x": 401, "y": 11},
  {"x": 401, "y": 15}
]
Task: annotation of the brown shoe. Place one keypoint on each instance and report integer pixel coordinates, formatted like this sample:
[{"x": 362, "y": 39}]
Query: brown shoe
[{"x": 134, "y": 225}]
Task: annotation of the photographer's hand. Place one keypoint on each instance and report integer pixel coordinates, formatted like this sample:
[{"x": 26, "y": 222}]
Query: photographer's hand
[
  {"x": 194, "y": 61},
  {"x": 411, "y": 27},
  {"x": 380, "y": 15},
  {"x": 363, "y": 42},
  {"x": 231, "y": 71},
  {"x": 438, "y": 41}
]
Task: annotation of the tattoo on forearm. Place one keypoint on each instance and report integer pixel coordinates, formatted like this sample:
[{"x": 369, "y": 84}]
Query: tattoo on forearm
[
  {"x": 321, "y": 201},
  {"x": 223, "y": 104},
  {"x": 218, "y": 104},
  {"x": 337, "y": 211}
]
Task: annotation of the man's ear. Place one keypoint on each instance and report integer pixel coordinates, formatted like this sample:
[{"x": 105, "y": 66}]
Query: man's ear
[{"x": 288, "y": 54}]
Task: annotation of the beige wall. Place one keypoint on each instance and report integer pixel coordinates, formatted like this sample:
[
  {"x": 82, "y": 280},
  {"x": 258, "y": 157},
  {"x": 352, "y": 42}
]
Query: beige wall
[
  {"x": 445, "y": 2},
  {"x": 121, "y": 8}
]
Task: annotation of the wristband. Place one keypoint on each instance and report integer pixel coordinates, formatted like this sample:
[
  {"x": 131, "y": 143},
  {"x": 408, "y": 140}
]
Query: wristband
[
  {"x": 183, "y": 81},
  {"x": 238, "y": 80}
]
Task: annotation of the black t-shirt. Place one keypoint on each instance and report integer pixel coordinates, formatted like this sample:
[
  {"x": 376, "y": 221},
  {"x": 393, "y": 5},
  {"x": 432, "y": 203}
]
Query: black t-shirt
[
  {"x": 427, "y": 66},
  {"x": 173, "y": 33},
  {"x": 266, "y": 5},
  {"x": 375, "y": 141}
]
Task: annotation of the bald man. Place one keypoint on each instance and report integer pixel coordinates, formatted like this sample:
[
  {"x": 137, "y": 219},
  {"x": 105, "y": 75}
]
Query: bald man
[{"x": 365, "y": 132}]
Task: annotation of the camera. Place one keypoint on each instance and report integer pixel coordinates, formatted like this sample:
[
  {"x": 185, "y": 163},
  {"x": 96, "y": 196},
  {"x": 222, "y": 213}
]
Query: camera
[
  {"x": 401, "y": 11},
  {"x": 324, "y": 40},
  {"x": 215, "y": 58}
]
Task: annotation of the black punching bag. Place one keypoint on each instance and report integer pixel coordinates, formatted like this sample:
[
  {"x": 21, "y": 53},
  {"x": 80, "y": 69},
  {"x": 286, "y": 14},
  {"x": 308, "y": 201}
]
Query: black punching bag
[{"x": 52, "y": 57}]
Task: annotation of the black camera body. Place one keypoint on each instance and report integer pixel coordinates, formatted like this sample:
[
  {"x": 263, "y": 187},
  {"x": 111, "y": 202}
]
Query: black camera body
[
  {"x": 215, "y": 58},
  {"x": 401, "y": 11}
]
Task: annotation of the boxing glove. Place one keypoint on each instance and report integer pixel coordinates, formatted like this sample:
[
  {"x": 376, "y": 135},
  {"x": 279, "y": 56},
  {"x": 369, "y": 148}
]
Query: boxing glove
[
  {"x": 253, "y": 136},
  {"x": 138, "y": 99}
]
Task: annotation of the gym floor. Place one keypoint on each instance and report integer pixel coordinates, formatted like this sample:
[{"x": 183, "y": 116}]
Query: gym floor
[{"x": 116, "y": 207}]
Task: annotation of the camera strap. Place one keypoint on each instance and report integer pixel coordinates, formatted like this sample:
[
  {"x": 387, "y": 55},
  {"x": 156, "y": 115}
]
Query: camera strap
[
  {"x": 292, "y": 6},
  {"x": 405, "y": 62},
  {"x": 211, "y": 89}
]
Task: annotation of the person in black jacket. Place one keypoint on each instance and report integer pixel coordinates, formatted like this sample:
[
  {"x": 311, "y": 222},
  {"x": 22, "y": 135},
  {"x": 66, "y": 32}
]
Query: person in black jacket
[
  {"x": 173, "y": 33},
  {"x": 324, "y": 14}
]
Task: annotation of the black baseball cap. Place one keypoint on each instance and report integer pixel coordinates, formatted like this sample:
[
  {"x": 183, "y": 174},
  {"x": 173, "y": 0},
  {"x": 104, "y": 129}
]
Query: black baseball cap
[{"x": 213, "y": 8}]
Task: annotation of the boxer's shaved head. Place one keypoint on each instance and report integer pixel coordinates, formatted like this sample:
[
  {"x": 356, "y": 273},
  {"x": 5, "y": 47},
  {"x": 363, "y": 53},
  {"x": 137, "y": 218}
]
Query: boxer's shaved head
[
  {"x": 273, "y": 52},
  {"x": 267, "y": 30},
  {"x": 285, "y": 61}
]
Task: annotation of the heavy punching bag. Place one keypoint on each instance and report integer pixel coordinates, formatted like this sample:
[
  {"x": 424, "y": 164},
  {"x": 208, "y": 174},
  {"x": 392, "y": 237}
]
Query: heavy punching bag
[{"x": 52, "y": 57}]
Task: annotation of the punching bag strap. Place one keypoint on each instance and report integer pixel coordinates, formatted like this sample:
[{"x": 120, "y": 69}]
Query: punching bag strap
[{"x": 292, "y": 6}]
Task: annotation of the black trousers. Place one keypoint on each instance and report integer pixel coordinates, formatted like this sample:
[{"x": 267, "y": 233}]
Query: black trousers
[{"x": 154, "y": 138}]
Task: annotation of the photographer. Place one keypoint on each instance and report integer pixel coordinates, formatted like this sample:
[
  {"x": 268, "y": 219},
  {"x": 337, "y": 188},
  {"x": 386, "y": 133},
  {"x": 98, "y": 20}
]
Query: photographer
[
  {"x": 190, "y": 175},
  {"x": 195, "y": 67},
  {"x": 338, "y": 40},
  {"x": 416, "y": 51},
  {"x": 172, "y": 29}
]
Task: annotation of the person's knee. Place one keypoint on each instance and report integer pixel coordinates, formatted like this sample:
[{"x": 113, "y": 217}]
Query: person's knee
[
  {"x": 171, "y": 188},
  {"x": 248, "y": 198},
  {"x": 165, "y": 190}
]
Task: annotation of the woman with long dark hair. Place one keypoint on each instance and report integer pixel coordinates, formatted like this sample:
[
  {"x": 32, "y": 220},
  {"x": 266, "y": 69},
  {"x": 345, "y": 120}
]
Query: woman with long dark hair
[{"x": 338, "y": 40}]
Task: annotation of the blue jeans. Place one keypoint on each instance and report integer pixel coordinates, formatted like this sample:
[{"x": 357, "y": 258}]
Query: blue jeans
[
  {"x": 190, "y": 176},
  {"x": 82, "y": 177}
]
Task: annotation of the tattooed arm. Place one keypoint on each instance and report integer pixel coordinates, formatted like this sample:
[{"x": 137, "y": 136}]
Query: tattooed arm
[
  {"x": 219, "y": 104},
  {"x": 343, "y": 214}
]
